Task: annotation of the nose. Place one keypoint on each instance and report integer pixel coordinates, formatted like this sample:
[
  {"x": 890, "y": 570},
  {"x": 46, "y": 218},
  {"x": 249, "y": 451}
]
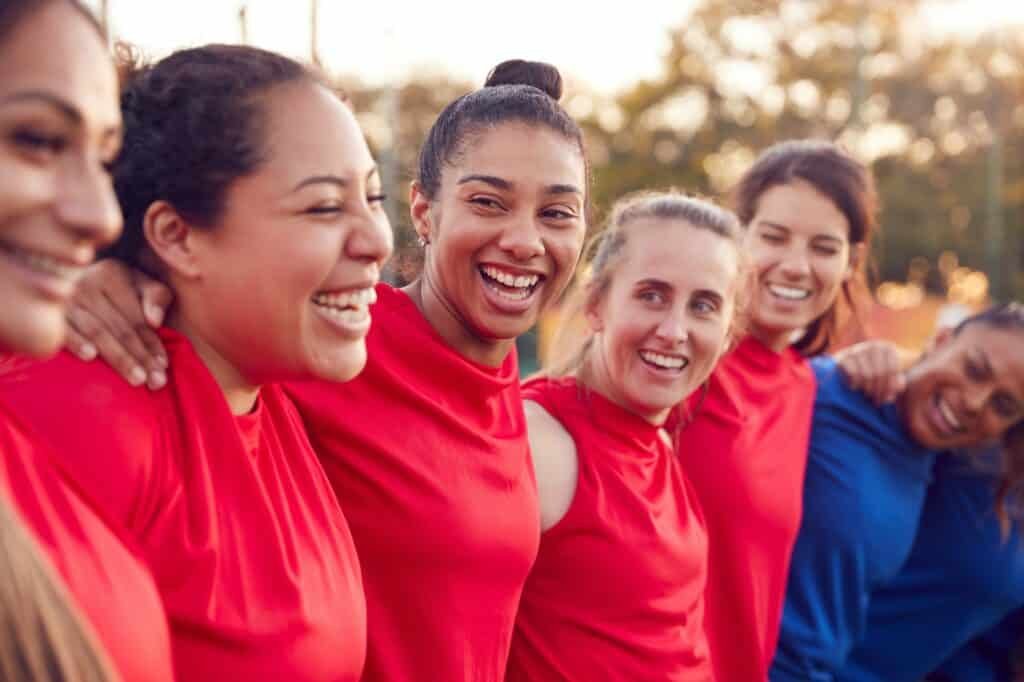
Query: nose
[
  {"x": 372, "y": 240},
  {"x": 673, "y": 327},
  {"x": 86, "y": 204},
  {"x": 795, "y": 265},
  {"x": 522, "y": 239}
]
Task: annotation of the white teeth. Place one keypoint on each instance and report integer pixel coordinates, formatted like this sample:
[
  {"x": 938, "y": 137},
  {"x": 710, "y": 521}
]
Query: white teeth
[
  {"x": 947, "y": 414},
  {"x": 350, "y": 300},
  {"x": 789, "y": 293},
  {"x": 43, "y": 263},
  {"x": 520, "y": 282},
  {"x": 666, "y": 361}
]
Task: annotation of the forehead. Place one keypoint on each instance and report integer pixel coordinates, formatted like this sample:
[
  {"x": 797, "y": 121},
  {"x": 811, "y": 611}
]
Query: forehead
[
  {"x": 311, "y": 131},
  {"x": 526, "y": 155},
  {"x": 800, "y": 207},
  {"x": 56, "y": 50},
  {"x": 678, "y": 253}
]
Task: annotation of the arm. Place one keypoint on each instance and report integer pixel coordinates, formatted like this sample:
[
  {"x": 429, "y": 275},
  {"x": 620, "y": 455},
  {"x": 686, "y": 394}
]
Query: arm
[
  {"x": 554, "y": 463},
  {"x": 112, "y": 314},
  {"x": 875, "y": 368}
]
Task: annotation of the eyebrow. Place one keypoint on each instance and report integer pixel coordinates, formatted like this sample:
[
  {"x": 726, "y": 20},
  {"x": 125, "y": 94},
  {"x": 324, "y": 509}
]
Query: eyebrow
[
  {"x": 66, "y": 109},
  {"x": 329, "y": 179},
  {"x": 503, "y": 184}
]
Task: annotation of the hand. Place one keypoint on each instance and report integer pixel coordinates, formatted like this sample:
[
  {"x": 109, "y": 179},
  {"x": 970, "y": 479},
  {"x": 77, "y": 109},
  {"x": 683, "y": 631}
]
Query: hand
[
  {"x": 113, "y": 315},
  {"x": 874, "y": 368}
]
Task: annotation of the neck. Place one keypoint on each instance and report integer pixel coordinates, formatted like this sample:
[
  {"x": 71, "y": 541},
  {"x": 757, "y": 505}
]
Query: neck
[
  {"x": 452, "y": 328},
  {"x": 774, "y": 340},
  {"x": 240, "y": 393}
]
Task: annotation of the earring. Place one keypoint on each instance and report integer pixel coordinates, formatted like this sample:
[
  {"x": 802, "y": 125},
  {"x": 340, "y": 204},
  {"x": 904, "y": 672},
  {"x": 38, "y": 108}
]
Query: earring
[{"x": 422, "y": 241}]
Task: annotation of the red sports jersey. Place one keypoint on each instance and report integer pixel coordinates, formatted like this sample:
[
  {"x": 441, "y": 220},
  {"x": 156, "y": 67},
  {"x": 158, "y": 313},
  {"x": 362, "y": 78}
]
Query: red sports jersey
[
  {"x": 428, "y": 454},
  {"x": 234, "y": 515},
  {"x": 110, "y": 586},
  {"x": 745, "y": 454},
  {"x": 617, "y": 592}
]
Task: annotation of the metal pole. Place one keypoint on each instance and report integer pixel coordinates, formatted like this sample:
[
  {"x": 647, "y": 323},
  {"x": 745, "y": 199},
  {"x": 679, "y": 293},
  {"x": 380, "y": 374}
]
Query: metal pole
[
  {"x": 314, "y": 20},
  {"x": 243, "y": 23}
]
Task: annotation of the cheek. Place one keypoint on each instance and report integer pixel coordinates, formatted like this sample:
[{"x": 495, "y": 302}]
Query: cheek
[
  {"x": 564, "y": 247},
  {"x": 830, "y": 272}
]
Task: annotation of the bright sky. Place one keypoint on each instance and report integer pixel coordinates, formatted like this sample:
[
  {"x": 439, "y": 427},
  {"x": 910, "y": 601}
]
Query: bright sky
[{"x": 605, "y": 45}]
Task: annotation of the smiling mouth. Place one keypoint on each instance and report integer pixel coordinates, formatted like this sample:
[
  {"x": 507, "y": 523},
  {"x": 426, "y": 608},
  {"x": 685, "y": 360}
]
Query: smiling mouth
[
  {"x": 947, "y": 418},
  {"x": 663, "y": 362},
  {"x": 348, "y": 307},
  {"x": 42, "y": 263},
  {"x": 789, "y": 293},
  {"x": 510, "y": 286}
]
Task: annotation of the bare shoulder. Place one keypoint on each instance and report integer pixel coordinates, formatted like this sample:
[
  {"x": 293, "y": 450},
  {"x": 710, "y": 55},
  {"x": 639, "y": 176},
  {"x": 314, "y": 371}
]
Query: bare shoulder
[{"x": 554, "y": 462}]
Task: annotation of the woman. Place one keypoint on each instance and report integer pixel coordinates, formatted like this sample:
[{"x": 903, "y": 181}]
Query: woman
[
  {"x": 941, "y": 599},
  {"x": 75, "y": 604},
  {"x": 427, "y": 448},
  {"x": 617, "y": 590},
  {"x": 248, "y": 189},
  {"x": 869, "y": 469},
  {"x": 808, "y": 208}
]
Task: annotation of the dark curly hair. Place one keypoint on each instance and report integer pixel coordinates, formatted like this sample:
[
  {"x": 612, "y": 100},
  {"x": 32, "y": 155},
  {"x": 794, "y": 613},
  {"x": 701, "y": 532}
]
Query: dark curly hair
[
  {"x": 516, "y": 90},
  {"x": 194, "y": 122},
  {"x": 13, "y": 12},
  {"x": 849, "y": 185}
]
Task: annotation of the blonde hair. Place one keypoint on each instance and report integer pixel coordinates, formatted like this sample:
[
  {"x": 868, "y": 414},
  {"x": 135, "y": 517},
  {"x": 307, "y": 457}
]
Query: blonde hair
[
  {"x": 606, "y": 251},
  {"x": 41, "y": 636}
]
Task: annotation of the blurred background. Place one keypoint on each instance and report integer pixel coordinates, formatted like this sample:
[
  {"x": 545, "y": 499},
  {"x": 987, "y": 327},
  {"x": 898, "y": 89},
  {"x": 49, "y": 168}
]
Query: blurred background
[{"x": 685, "y": 93}]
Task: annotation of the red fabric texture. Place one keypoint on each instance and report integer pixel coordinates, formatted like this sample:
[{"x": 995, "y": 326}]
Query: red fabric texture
[
  {"x": 617, "y": 592},
  {"x": 745, "y": 453},
  {"x": 428, "y": 455},
  {"x": 234, "y": 515},
  {"x": 109, "y": 585}
]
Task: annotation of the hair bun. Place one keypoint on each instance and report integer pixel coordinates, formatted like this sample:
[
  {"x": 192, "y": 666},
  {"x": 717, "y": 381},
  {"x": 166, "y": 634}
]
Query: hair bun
[{"x": 540, "y": 75}]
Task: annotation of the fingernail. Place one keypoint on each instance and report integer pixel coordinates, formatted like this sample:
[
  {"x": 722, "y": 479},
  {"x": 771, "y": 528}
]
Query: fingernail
[
  {"x": 153, "y": 313},
  {"x": 157, "y": 380},
  {"x": 137, "y": 376},
  {"x": 87, "y": 352},
  {"x": 162, "y": 361}
]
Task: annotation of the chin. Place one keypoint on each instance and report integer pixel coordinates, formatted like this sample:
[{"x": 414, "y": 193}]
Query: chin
[
  {"x": 38, "y": 338},
  {"x": 343, "y": 365}
]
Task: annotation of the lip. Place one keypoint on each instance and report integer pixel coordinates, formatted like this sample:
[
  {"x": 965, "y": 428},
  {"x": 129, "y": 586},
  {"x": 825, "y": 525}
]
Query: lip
[
  {"x": 54, "y": 286},
  {"x": 768, "y": 286},
  {"x": 663, "y": 372},
  {"x": 352, "y": 322},
  {"x": 939, "y": 421},
  {"x": 499, "y": 300}
]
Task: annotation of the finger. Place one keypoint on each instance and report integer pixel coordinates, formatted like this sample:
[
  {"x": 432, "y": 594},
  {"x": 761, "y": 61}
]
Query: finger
[
  {"x": 78, "y": 344},
  {"x": 155, "y": 297},
  {"x": 109, "y": 348},
  {"x": 129, "y": 332},
  {"x": 855, "y": 372}
]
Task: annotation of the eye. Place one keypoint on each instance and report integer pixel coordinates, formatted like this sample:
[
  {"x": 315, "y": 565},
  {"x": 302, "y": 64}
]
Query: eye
[
  {"x": 651, "y": 296},
  {"x": 973, "y": 370},
  {"x": 487, "y": 203},
  {"x": 378, "y": 198},
  {"x": 826, "y": 250},
  {"x": 704, "y": 306},
  {"x": 39, "y": 144},
  {"x": 772, "y": 238},
  {"x": 324, "y": 209},
  {"x": 558, "y": 214}
]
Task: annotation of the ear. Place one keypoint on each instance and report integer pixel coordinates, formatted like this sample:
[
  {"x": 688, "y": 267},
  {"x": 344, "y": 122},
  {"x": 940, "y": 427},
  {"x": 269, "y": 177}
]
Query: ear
[
  {"x": 593, "y": 315},
  {"x": 857, "y": 256},
  {"x": 171, "y": 239},
  {"x": 419, "y": 211}
]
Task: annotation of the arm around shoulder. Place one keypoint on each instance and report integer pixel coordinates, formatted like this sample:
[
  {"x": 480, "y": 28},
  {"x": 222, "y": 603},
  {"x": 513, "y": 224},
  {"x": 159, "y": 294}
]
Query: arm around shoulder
[{"x": 554, "y": 462}]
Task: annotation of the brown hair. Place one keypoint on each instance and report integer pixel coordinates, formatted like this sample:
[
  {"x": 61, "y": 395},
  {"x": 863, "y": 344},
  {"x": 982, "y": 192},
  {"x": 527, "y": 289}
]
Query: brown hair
[
  {"x": 607, "y": 248},
  {"x": 41, "y": 636},
  {"x": 850, "y": 186},
  {"x": 1010, "y": 493}
]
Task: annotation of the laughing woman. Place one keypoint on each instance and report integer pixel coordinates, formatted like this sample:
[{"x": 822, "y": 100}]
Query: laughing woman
[
  {"x": 75, "y": 604},
  {"x": 427, "y": 448},
  {"x": 617, "y": 592},
  {"x": 808, "y": 210},
  {"x": 248, "y": 189},
  {"x": 868, "y": 472}
]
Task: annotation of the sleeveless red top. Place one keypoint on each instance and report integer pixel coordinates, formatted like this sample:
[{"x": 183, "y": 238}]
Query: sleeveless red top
[
  {"x": 745, "y": 454},
  {"x": 110, "y": 586},
  {"x": 618, "y": 589},
  {"x": 234, "y": 515},
  {"x": 427, "y": 452}
]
